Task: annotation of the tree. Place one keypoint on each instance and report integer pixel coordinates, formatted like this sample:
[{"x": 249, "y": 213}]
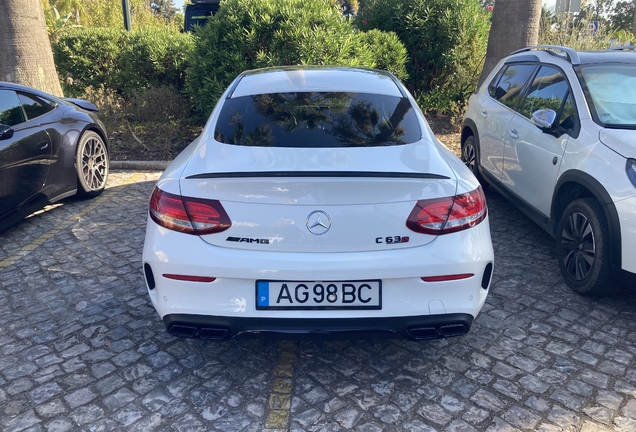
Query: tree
[
  {"x": 621, "y": 16},
  {"x": 25, "y": 50},
  {"x": 164, "y": 9},
  {"x": 515, "y": 25}
]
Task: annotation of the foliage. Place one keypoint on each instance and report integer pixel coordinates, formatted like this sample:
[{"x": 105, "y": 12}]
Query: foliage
[
  {"x": 121, "y": 61},
  {"x": 56, "y": 24},
  {"x": 108, "y": 13},
  {"x": 563, "y": 30},
  {"x": 152, "y": 125},
  {"x": 622, "y": 16},
  {"x": 446, "y": 42},
  {"x": 250, "y": 34},
  {"x": 348, "y": 8},
  {"x": 165, "y": 9},
  {"x": 389, "y": 53}
]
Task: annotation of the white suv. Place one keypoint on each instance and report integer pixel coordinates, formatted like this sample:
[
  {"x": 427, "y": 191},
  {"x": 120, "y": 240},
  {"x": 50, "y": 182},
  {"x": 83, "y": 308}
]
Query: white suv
[{"x": 554, "y": 131}]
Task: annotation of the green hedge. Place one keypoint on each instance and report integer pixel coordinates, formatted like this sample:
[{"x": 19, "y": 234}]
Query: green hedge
[
  {"x": 122, "y": 61},
  {"x": 446, "y": 42},
  {"x": 250, "y": 34}
]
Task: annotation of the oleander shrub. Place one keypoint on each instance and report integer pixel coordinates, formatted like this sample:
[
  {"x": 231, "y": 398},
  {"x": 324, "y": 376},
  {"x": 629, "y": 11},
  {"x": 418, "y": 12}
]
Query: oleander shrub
[
  {"x": 446, "y": 42},
  {"x": 125, "y": 62},
  {"x": 388, "y": 52},
  {"x": 251, "y": 34},
  {"x": 87, "y": 57}
]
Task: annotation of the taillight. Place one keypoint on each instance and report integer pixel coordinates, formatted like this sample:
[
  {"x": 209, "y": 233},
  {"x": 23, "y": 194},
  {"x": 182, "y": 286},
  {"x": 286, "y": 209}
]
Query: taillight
[
  {"x": 447, "y": 215},
  {"x": 188, "y": 215},
  {"x": 189, "y": 278}
]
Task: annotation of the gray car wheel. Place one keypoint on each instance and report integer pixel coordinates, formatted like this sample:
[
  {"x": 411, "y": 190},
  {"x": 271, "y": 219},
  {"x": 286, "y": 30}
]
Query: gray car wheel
[{"x": 92, "y": 165}]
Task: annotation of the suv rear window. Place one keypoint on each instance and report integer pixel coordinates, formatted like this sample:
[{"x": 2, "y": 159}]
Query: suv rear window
[{"x": 317, "y": 119}]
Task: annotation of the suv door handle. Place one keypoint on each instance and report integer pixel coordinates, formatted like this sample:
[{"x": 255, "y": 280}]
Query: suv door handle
[
  {"x": 513, "y": 133},
  {"x": 484, "y": 113}
]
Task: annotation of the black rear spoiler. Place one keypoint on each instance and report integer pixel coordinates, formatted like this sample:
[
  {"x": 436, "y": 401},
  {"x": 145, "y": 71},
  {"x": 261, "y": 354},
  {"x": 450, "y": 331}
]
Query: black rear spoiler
[{"x": 84, "y": 104}]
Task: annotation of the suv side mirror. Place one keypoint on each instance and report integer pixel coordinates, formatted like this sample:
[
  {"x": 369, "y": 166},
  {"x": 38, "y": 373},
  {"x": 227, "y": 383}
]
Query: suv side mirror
[
  {"x": 544, "y": 119},
  {"x": 6, "y": 132}
]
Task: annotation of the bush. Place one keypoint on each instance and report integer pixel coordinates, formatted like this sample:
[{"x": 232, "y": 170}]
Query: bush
[
  {"x": 153, "y": 57},
  {"x": 389, "y": 53},
  {"x": 562, "y": 30},
  {"x": 251, "y": 34},
  {"x": 87, "y": 57},
  {"x": 151, "y": 125},
  {"x": 122, "y": 61},
  {"x": 446, "y": 42}
]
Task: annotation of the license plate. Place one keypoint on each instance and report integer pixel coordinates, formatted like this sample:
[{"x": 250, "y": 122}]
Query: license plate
[{"x": 365, "y": 294}]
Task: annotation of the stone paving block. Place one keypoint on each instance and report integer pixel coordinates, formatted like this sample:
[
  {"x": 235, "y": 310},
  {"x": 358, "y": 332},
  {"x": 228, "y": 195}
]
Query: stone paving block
[{"x": 83, "y": 349}]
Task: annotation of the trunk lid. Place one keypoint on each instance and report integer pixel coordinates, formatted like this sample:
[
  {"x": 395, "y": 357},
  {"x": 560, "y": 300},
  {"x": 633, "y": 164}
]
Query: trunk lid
[{"x": 318, "y": 200}]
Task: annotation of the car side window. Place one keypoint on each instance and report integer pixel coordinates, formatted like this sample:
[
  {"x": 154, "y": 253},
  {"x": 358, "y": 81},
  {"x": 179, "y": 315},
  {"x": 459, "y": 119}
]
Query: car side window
[
  {"x": 569, "y": 118},
  {"x": 34, "y": 106},
  {"x": 508, "y": 89},
  {"x": 11, "y": 112},
  {"x": 548, "y": 89}
]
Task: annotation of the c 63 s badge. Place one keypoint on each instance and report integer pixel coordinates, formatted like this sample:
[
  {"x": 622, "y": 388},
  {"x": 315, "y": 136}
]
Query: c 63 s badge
[{"x": 392, "y": 239}]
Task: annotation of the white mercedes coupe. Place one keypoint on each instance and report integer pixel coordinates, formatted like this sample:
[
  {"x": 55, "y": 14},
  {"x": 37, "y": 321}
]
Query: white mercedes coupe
[{"x": 317, "y": 201}]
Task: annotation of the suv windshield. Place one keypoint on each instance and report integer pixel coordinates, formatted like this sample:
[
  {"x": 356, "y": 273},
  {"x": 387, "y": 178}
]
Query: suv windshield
[
  {"x": 611, "y": 93},
  {"x": 317, "y": 119}
]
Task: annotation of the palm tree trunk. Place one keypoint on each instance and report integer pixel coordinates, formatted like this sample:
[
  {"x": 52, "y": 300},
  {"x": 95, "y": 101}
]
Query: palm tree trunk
[
  {"x": 25, "y": 51},
  {"x": 515, "y": 25}
]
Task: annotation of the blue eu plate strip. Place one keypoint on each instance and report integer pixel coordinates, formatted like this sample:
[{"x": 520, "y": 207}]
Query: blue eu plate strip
[{"x": 263, "y": 293}]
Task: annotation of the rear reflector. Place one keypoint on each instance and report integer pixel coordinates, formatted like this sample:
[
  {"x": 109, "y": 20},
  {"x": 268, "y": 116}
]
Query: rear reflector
[
  {"x": 189, "y": 278},
  {"x": 196, "y": 216},
  {"x": 447, "y": 277},
  {"x": 448, "y": 215}
]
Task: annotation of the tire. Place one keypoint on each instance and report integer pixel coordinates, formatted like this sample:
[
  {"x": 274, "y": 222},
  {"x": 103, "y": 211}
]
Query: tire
[
  {"x": 470, "y": 157},
  {"x": 91, "y": 164},
  {"x": 583, "y": 248}
]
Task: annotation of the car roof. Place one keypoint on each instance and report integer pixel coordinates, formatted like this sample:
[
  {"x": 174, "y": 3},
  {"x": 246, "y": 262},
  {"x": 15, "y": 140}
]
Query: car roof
[
  {"x": 614, "y": 55},
  {"x": 607, "y": 56},
  {"x": 17, "y": 87},
  {"x": 316, "y": 79}
]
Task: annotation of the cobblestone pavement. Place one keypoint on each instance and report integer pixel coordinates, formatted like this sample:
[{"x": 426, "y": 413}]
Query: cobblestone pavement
[{"x": 81, "y": 347}]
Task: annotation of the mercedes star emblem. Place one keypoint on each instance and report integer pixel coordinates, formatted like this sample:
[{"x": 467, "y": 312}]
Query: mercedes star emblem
[{"x": 318, "y": 222}]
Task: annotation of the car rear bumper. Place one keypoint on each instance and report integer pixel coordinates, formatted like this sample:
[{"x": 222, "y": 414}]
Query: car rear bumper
[
  {"x": 230, "y": 300},
  {"x": 413, "y": 327}
]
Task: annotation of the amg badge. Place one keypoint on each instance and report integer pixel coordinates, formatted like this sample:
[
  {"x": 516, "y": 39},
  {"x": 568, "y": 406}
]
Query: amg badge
[{"x": 247, "y": 240}]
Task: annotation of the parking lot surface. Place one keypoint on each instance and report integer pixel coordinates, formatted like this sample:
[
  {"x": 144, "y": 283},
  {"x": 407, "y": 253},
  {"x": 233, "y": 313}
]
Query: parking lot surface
[{"x": 81, "y": 347}]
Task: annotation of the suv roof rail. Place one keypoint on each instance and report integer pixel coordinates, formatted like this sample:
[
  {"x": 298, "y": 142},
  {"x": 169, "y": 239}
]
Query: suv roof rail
[
  {"x": 569, "y": 54},
  {"x": 624, "y": 47}
]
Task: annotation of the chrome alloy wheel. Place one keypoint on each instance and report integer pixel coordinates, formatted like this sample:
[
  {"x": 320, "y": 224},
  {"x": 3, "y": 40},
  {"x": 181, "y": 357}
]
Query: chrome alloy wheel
[
  {"x": 94, "y": 164},
  {"x": 577, "y": 241}
]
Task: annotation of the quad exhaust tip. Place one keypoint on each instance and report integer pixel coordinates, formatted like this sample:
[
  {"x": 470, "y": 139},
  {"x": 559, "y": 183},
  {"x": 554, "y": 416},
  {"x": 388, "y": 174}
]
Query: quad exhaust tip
[
  {"x": 198, "y": 332},
  {"x": 443, "y": 331}
]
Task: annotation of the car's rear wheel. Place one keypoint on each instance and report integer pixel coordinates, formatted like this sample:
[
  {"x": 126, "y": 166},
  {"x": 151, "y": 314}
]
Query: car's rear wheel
[
  {"x": 92, "y": 165},
  {"x": 583, "y": 248},
  {"x": 470, "y": 157}
]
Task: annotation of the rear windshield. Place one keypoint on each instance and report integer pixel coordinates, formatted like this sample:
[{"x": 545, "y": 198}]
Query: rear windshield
[{"x": 317, "y": 119}]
